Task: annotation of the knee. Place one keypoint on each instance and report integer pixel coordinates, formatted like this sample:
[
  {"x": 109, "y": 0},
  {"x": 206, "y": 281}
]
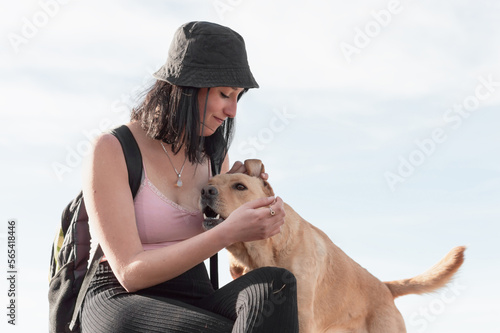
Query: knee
[
  {"x": 281, "y": 279},
  {"x": 281, "y": 274}
]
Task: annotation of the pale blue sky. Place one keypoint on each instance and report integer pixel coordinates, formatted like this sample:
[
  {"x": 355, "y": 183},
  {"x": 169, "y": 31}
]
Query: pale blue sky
[{"x": 352, "y": 94}]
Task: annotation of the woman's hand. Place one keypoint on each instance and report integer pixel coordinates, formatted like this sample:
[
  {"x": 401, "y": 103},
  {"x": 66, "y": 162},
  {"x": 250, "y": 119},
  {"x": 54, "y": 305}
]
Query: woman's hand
[
  {"x": 239, "y": 167},
  {"x": 255, "y": 220}
]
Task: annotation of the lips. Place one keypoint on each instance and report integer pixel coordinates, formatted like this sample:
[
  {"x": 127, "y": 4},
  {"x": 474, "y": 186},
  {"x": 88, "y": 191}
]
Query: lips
[
  {"x": 213, "y": 125},
  {"x": 219, "y": 120}
]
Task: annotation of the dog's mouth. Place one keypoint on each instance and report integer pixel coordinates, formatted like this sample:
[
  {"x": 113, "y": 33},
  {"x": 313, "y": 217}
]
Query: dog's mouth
[{"x": 211, "y": 218}]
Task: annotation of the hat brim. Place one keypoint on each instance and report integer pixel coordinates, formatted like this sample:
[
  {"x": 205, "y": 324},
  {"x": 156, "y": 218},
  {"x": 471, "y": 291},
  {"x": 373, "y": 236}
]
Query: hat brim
[{"x": 217, "y": 77}]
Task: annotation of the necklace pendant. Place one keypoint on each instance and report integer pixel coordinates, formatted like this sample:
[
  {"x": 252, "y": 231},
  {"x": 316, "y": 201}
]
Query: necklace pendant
[{"x": 179, "y": 182}]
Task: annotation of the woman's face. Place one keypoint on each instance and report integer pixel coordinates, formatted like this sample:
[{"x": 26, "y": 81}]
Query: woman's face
[{"x": 221, "y": 104}]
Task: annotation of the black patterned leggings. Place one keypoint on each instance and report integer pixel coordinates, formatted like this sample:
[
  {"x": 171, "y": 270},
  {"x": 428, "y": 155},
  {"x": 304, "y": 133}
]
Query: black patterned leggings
[{"x": 264, "y": 300}]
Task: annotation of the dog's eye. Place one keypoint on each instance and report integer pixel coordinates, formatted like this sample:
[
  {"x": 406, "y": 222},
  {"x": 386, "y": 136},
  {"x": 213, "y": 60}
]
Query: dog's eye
[{"x": 239, "y": 187}]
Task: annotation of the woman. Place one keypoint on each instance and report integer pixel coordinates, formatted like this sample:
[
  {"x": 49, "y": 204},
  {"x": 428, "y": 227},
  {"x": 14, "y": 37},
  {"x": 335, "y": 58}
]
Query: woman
[{"x": 152, "y": 278}]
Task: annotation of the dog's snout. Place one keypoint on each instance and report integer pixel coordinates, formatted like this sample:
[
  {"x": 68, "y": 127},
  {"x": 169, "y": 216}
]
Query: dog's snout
[{"x": 209, "y": 191}]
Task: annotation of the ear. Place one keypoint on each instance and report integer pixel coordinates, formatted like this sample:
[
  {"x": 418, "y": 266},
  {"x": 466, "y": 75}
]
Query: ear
[{"x": 254, "y": 167}]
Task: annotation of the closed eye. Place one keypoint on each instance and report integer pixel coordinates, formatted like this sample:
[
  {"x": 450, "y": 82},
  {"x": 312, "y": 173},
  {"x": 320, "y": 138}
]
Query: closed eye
[{"x": 239, "y": 187}]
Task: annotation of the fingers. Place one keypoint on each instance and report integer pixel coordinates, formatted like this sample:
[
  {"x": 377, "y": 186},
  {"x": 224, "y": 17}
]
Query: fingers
[
  {"x": 277, "y": 204},
  {"x": 261, "y": 202},
  {"x": 277, "y": 210},
  {"x": 269, "y": 206},
  {"x": 270, "y": 209},
  {"x": 255, "y": 220},
  {"x": 276, "y": 217}
]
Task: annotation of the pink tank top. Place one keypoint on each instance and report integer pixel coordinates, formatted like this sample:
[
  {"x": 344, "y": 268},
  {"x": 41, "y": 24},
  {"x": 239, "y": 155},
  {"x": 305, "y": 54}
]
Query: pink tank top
[{"x": 160, "y": 221}]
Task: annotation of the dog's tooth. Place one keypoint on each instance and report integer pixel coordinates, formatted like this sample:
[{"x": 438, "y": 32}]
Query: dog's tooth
[
  {"x": 217, "y": 217},
  {"x": 205, "y": 216}
]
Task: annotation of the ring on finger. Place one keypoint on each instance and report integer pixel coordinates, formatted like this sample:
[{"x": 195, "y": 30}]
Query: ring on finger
[{"x": 271, "y": 210}]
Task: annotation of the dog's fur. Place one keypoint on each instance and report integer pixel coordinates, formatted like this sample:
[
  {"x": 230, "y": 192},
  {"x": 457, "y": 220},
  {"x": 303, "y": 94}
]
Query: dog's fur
[{"x": 335, "y": 294}]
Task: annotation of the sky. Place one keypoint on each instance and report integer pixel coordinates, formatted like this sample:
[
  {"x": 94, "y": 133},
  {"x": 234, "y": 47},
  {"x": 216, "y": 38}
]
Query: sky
[{"x": 377, "y": 121}]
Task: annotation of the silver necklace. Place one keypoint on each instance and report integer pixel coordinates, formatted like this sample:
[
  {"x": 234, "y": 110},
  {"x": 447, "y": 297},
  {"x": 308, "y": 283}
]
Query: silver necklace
[{"x": 179, "y": 180}]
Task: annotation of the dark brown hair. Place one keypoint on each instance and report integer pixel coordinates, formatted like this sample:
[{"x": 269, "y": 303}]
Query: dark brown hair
[{"x": 171, "y": 113}]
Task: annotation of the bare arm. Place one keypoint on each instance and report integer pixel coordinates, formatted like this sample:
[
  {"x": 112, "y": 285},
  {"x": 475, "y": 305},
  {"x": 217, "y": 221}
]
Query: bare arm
[{"x": 110, "y": 207}]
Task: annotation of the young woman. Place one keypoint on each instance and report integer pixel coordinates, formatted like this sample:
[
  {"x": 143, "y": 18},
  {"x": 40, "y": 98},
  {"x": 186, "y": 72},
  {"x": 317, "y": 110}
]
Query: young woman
[{"x": 152, "y": 278}]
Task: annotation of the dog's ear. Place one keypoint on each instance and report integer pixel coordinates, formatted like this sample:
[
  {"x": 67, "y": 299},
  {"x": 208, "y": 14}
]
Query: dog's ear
[{"x": 254, "y": 167}]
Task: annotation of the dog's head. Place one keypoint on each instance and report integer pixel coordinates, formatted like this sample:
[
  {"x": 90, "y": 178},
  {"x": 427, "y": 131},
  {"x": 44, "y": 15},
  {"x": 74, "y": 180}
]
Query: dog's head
[{"x": 224, "y": 193}]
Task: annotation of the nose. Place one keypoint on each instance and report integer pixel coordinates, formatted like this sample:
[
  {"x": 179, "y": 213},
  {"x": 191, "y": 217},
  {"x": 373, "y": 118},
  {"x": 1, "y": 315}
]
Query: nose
[
  {"x": 209, "y": 191},
  {"x": 230, "y": 109}
]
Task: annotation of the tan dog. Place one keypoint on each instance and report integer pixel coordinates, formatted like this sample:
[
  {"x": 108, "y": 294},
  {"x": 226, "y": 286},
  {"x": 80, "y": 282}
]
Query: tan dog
[{"x": 334, "y": 293}]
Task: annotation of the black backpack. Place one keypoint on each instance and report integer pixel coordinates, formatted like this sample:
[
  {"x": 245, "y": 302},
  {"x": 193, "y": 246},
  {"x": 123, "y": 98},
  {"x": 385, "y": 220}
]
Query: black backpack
[{"x": 70, "y": 270}]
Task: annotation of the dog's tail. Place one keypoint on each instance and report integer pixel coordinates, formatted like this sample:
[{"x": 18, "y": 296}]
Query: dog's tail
[{"x": 436, "y": 277}]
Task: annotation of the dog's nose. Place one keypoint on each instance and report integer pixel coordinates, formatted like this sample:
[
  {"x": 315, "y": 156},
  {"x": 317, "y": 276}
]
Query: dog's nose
[{"x": 209, "y": 191}]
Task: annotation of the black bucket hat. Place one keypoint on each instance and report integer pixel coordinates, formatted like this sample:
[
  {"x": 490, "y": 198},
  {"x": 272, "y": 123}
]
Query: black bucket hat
[{"x": 203, "y": 55}]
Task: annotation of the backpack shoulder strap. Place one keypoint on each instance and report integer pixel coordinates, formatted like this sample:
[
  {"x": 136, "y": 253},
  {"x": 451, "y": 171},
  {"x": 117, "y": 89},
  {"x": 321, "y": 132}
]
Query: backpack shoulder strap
[
  {"x": 214, "y": 260},
  {"x": 133, "y": 156},
  {"x": 133, "y": 159}
]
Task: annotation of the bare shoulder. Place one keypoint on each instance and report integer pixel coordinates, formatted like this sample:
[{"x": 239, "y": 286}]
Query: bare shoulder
[
  {"x": 106, "y": 163},
  {"x": 107, "y": 149},
  {"x": 106, "y": 144}
]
